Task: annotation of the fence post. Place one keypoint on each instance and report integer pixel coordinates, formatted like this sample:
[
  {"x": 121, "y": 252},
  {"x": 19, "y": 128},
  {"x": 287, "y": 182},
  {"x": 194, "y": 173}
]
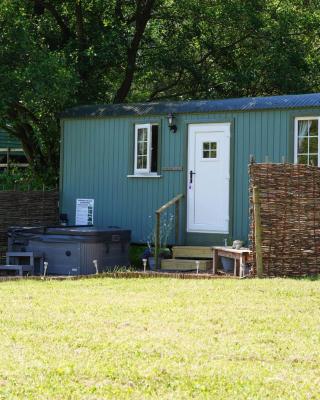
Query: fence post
[
  {"x": 157, "y": 239},
  {"x": 257, "y": 230}
]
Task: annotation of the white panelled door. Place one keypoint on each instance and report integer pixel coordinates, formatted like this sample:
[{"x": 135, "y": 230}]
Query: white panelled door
[{"x": 208, "y": 178}]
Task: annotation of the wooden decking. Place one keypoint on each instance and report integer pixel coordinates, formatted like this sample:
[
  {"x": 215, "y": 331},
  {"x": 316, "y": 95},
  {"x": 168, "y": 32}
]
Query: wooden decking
[
  {"x": 192, "y": 252},
  {"x": 205, "y": 259},
  {"x": 189, "y": 258},
  {"x": 175, "y": 264}
]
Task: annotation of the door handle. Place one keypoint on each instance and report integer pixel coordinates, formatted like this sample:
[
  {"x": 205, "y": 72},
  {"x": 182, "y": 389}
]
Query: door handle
[{"x": 191, "y": 173}]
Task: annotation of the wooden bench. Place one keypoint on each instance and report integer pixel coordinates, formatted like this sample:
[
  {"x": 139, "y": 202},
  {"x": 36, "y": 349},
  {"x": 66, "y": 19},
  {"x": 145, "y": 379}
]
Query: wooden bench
[
  {"x": 16, "y": 258},
  {"x": 243, "y": 255},
  {"x": 20, "y": 269}
]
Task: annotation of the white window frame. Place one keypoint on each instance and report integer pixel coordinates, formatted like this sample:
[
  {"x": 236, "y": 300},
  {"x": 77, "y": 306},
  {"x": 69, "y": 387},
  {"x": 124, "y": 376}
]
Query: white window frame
[
  {"x": 217, "y": 153},
  {"x": 144, "y": 172},
  {"x": 296, "y": 120}
]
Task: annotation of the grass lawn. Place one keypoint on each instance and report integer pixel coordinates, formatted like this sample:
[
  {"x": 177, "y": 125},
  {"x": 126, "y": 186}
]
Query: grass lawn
[{"x": 160, "y": 339}]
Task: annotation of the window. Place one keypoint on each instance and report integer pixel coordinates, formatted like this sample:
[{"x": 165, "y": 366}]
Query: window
[
  {"x": 307, "y": 141},
  {"x": 13, "y": 157},
  {"x": 146, "y": 149},
  {"x": 209, "y": 150}
]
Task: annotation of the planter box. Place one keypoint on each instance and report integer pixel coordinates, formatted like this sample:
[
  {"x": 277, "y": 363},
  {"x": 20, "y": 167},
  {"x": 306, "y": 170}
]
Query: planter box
[
  {"x": 227, "y": 264},
  {"x": 152, "y": 263}
]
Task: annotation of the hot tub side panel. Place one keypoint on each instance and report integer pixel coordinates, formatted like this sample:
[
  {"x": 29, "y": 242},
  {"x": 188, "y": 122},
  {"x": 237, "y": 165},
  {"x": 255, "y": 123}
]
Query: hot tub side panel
[
  {"x": 108, "y": 256},
  {"x": 63, "y": 257}
]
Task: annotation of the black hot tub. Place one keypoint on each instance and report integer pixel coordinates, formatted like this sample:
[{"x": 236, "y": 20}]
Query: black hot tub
[{"x": 70, "y": 250}]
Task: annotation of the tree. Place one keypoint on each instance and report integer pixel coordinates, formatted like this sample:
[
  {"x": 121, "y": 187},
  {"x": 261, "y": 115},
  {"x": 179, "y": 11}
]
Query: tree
[
  {"x": 35, "y": 85},
  {"x": 58, "y": 54},
  {"x": 55, "y": 54}
]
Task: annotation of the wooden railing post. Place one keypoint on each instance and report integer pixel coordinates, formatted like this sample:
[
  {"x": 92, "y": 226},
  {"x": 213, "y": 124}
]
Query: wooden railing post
[
  {"x": 257, "y": 230},
  {"x": 157, "y": 244},
  {"x": 157, "y": 239},
  {"x": 177, "y": 222}
]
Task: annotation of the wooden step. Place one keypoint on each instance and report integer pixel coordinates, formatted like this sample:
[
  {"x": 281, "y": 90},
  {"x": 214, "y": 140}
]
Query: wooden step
[
  {"x": 192, "y": 252},
  {"x": 176, "y": 264}
]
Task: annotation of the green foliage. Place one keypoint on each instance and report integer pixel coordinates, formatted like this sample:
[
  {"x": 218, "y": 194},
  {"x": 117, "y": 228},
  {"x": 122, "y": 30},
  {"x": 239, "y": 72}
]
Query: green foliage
[
  {"x": 167, "y": 223},
  {"x": 55, "y": 54},
  {"x": 135, "y": 254},
  {"x": 22, "y": 179},
  {"x": 35, "y": 85},
  {"x": 160, "y": 339}
]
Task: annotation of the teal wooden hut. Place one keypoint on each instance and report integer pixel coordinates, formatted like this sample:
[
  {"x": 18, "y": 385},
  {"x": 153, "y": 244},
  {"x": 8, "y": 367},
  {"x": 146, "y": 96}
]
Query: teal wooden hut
[
  {"x": 125, "y": 161},
  {"x": 11, "y": 152}
]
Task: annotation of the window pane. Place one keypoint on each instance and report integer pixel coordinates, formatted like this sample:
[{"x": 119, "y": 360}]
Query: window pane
[
  {"x": 302, "y": 159},
  {"x": 313, "y": 127},
  {"x": 302, "y": 145},
  {"x": 209, "y": 150},
  {"x": 142, "y": 162},
  {"x": 142, "y": 134},
  {"x": 145, "y": 148},
  {"x": 303, "y": 128},
  {"x": 142, "y": 148},
  {"x": 154, "y": 148},
  {"x": 313, "y": 145},
  {"x": 308, "y": 142},
  {"x": 213, "y": 154},
  {"x": 313, "y": 160}
]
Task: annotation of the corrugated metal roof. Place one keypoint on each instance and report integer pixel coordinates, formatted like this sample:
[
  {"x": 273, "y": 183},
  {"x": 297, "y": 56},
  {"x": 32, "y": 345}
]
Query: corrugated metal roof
[{"x": 195, "y": 106}]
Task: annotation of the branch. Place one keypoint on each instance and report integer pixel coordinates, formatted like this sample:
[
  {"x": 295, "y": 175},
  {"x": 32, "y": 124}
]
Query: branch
[
  {"x": 23, "y": 130},
  {"x": 143, "y": 15},
  {"x": 80, "y": 25},
  {"x": 60, "y": 20},
  {"x": 119, "y": 13},
  {"x": 194, "y": 92},
  {"x": 164, "y": 88},
  {"x": 22, "y": 109},
  {"x": 118, "y": 10},
  {"x": 223, "y": 49}
]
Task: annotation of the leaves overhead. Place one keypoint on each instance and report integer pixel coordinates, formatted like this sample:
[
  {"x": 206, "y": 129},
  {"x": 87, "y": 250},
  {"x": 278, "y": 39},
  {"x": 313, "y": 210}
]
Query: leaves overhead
[{"x": 55, "y": 54}]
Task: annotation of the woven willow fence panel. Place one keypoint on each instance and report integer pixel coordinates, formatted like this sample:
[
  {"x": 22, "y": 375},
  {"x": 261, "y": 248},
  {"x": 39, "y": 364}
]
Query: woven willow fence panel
[
  {"x": 290, "y": 218},
  {"x": 18, "y": 208}
]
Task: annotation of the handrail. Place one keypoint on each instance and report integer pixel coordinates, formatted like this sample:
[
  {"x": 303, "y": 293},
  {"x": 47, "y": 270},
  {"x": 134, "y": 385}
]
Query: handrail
[{"x": 170, "y": 203}]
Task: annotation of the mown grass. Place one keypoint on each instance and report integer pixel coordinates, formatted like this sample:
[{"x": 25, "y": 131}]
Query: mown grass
[{"x": 160, "y": 339}]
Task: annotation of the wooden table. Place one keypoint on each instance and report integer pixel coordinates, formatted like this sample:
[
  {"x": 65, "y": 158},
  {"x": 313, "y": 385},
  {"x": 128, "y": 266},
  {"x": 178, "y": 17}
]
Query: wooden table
[{"x": 242, "y": 255}]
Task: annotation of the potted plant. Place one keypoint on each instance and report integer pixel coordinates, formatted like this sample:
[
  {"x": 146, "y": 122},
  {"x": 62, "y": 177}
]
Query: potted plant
[
  {"x": 166, "y": 228},
  {"x": 227, "y": 262}
]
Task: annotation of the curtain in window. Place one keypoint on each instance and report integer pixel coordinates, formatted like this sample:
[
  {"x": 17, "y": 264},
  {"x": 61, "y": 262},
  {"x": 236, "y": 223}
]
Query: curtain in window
[{"x": 307, "y": 151}]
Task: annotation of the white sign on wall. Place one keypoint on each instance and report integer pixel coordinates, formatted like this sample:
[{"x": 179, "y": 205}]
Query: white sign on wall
[{"x": 84, "y": 211}]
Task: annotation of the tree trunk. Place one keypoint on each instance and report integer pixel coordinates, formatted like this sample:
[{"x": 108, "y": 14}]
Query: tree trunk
[{"x": 143, "y": 15}]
